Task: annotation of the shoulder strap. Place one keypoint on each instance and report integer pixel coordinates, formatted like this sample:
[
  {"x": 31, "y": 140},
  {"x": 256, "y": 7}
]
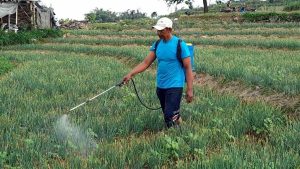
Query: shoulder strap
[
  {"x": 155, "y": 47},
  {"x": 178, "y": 54}
]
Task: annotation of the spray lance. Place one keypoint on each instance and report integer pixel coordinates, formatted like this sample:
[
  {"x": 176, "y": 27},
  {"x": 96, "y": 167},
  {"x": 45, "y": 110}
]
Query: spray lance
[
  {"x": 88, "y": 100},
  {"x": 120, "y": 84}
]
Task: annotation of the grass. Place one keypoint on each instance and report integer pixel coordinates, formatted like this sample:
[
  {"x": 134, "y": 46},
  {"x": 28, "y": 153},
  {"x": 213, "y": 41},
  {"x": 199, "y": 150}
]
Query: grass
[
  {"x": 115, "y": 131},
  {"x": 199, "y": 31},
  {"x": 275, "y": 69},
  {"x": 215, "y": 133},
  {"x": 5, "y": 65},
  {"x": 266, "y": 68},
  {"x": 230, "y": 42}
]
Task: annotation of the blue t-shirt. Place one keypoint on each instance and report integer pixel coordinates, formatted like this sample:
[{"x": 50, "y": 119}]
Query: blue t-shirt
[{"x": 170, "y": 72}]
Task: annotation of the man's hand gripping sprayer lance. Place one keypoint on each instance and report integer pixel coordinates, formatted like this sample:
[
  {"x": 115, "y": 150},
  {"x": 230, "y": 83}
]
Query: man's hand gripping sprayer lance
[{"x": 81, "y": 104}]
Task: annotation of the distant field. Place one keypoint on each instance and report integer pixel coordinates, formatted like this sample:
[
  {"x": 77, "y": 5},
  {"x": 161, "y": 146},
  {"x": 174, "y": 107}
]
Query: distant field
[{"x": 115, "y": 131}]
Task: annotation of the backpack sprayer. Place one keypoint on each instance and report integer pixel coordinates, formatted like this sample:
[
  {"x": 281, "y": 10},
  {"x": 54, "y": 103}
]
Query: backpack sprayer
[{"x": 116, "y": 85}]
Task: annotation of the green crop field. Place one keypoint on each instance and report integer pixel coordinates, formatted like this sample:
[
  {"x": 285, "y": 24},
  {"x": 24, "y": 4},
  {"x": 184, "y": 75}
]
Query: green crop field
[{"x": 40, "y": 82}]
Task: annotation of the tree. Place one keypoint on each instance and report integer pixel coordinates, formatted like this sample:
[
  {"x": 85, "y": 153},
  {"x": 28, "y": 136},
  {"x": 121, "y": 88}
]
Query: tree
[
  {"x": 205, "y": 6},
  {"x": 188, "y": 2},
  {"x": 132, "y": 14},
  {"x": 91, "y": 17},
  {"x": 100, "y": 15},
  {"x": 153, "y": 14}
]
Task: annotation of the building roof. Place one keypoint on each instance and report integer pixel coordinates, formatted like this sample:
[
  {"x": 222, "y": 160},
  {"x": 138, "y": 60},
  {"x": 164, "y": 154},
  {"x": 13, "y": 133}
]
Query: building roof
[{"x": 1, "y": 1}]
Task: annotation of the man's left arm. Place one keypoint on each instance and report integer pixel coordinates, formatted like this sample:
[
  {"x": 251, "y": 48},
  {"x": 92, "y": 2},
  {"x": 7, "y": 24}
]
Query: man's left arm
[{"x": 189, "y": 78}]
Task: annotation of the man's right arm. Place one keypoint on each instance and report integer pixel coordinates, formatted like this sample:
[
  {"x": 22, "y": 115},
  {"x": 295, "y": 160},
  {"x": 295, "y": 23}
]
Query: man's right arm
[{"x": 140, "y": 67}]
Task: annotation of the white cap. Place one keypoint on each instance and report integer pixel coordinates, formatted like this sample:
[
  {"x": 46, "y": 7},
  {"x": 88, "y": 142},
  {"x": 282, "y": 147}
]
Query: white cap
[{"x": 163, "y": 23}]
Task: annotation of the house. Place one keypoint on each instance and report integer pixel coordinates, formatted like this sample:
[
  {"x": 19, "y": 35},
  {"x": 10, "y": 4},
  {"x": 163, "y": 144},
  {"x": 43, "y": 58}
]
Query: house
[{"x": 26, "y": 14}]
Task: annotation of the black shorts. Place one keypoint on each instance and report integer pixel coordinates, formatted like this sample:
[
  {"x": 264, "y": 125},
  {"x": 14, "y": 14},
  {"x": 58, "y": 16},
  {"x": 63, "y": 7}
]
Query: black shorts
[{"x": 170, "y": 103}]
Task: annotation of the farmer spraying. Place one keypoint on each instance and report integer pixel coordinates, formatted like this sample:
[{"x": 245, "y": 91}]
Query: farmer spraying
[{"x": 173, "y": 70}]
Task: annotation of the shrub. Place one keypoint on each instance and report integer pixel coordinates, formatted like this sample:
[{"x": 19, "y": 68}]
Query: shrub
[
  {"x": 292, "y": 6},
  {"x": 24, "y": 37},
  {"x": 271, "y": 17}
]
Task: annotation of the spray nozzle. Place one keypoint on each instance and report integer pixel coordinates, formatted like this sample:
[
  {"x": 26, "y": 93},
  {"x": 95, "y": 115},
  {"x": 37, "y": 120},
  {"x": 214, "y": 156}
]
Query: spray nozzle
[{"x": 120, "y": 84}]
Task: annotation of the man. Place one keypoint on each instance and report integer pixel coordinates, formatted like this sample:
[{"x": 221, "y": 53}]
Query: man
[{"x": 171, "y": 73}]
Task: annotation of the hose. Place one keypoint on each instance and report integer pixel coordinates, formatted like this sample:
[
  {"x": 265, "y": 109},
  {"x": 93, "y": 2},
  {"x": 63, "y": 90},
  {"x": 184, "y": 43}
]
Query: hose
[{"x": 137, "y": 94}]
